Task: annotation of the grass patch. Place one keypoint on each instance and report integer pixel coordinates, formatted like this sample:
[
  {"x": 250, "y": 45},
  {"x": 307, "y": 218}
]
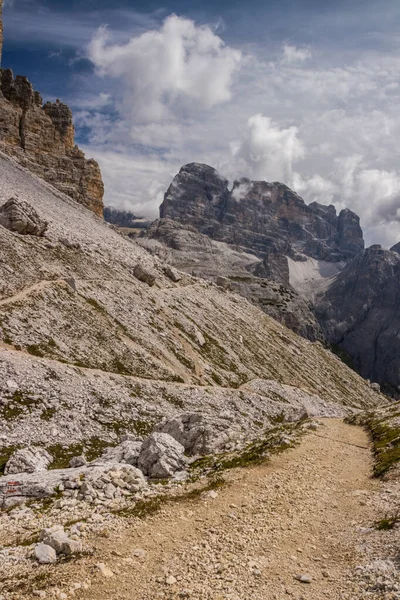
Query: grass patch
[
  {"x": 387, "y": 523},
  {"x": 92, "y": 449},
  {"x": 145, "y": 508},
  {"x": 385, "y": 440}
]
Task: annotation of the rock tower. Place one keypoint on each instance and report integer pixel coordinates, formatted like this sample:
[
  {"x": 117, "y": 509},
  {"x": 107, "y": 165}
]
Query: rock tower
[{"x": 42, "y": 139}]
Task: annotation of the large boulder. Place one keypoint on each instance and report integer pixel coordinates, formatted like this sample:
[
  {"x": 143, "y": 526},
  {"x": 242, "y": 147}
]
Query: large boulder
[
  {"x": 197, "y": 434},
  {"x": 56, "y": 538},
  {"x": 28, "y": 460},
  {"x": 21, "y": 217},
  {"x": 126, "y": 452},
  {"x": 161, "y": 456},
  {"x": 144, "y": 275}
]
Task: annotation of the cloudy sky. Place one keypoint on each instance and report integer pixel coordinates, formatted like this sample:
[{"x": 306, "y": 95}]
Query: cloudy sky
[{"x": 300, "y": 91}]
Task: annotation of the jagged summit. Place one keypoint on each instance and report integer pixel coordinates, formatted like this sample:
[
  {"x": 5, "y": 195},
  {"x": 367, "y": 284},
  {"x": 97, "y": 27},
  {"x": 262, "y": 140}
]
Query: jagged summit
[{"x": 260, "y": 217}]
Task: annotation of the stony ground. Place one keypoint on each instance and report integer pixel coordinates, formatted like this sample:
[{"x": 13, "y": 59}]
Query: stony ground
[{"x": 308, "y": 513}]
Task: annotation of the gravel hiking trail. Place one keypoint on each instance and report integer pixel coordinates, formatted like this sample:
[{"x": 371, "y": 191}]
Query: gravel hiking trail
[{"x": 300, "y": 514}]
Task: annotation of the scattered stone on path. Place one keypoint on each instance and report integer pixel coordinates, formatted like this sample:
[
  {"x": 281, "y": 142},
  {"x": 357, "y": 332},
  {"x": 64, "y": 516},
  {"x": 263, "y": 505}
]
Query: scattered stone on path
[
  {"x": 304, "y": 578},
  {"x": 104, "y": 570},
  {"x": 45, "y": 554}
]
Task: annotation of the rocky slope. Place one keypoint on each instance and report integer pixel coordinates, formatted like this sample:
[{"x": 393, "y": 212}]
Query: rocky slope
[
  {"x": 89, "y": 350},
  {"x": 264, "y": 282},
  {"x": 360, "y": 311},
  {"x": 41, "y": 138},
  {"x": 259, "y": 236}
]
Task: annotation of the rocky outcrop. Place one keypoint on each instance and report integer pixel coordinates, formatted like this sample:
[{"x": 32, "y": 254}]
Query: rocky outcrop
[
  {"x": 260, "y": 217},
  {"x": 124, "y": 218},
  {"x": 28, "y": 460},
  {"x": 161, "y": 456},
  {"x": 360, "y": 311},
  {"x": 396, "y": 248},
  {"x": 263, "y": 281},
  {"x": 41, "y": 138},
  {"x": 22, "y": 218},
  {"x": 248, "y": 235}
]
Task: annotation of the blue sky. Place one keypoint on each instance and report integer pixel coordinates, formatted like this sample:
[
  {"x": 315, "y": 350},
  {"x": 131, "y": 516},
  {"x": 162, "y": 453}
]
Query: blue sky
[{"x": 306, "y": 92}]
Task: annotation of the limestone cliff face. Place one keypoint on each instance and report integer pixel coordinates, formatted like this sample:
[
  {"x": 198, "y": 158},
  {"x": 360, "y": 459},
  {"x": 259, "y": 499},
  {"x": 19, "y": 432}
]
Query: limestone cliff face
[
  {"x": 261, "y": 217},
  {"x": 360, "y": 311},
  {"x": 41, "y": 138}
]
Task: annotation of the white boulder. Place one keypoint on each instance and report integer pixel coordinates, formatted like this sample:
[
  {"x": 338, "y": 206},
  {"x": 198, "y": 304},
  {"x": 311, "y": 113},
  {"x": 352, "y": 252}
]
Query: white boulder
[
  {"x": 28, "y": 460},
  {"x": 161, "y": 456}
]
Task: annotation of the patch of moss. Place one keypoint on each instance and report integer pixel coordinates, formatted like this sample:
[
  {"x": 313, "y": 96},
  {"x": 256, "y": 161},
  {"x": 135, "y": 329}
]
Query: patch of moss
[
  {"x": 387, "y": 523},
  {"x": 20, "y": 403},
  {"x": 385, "y": 439},
  {"x": 142, "y": 428},
  {"x": 94, "y": 304},
  {"x": 35, "y": 350},
  {"x": 145, "y": 508},
  {"x": 92, "y": 449},
  {"x": 48, "y": 414}
]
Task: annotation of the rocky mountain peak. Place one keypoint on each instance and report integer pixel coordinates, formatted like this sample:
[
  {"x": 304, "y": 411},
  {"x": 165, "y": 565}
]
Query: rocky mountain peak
[
  {"x": 259, "y": 216},
  {"x": 396, "y": 248}
]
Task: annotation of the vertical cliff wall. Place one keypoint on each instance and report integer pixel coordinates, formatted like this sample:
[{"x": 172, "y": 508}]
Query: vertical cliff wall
[{"x": 41, "y": 138}]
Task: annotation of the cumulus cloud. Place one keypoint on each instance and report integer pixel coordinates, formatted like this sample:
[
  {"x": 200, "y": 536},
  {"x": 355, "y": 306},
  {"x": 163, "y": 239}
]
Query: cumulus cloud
[
  {"x": 177, "y": 69},
  {"x": 328, "y": 128},
  {"x": 293, "y": 54},
  {"x": 269, "y": 151}
]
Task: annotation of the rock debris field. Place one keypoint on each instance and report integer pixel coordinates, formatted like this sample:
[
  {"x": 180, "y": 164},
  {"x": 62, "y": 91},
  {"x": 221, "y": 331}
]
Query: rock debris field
[{"x": 296, "y": 527}]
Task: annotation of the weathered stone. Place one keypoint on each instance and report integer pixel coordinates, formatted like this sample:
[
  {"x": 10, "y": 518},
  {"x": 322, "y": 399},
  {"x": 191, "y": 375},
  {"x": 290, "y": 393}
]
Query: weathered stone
[
  {"x": 359, "y": 311},
  {"x": 77, "y": 461},
  {"x": 21, "y": 217},
  {"x": 126, "y": 452},
  {"x": 144, "y": 275},
  {"x": 45, "y": 554},
  {"x": 28, "y": 460},
  {"x": 172, "y": 273},
  {"x": 161, "y": 456},
  {"x": 42, "y": 140},
  {"x": 223, "y": 282},
  {"x": 197, "y": 434}
]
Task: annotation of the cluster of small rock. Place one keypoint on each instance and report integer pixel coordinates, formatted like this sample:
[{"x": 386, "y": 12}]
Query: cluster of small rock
[{"x": 55, "y": 542}]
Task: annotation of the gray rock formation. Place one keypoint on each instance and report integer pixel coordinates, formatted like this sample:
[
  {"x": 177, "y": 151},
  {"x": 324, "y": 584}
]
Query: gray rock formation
[
  {"x": 126, "y": 452},
  {"x": 199, "y": 435},
  {"x": 257, "y": 279},
  {"x": 396, "y": 248},
  {"x": 360, "y": 312},
  {"x": 161, "y": 456},
  {"x": 28, "y": 460},
  {"x": 22, "y": 218},
  {"x": 260, "y": 217},
  {"x": 44, "y": 554}
]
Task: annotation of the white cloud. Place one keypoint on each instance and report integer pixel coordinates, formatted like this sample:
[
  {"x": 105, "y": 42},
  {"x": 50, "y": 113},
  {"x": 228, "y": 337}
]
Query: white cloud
[
  {"x": 269, "y": 151},
  {"x": 177, "y": 69},
  {"x": 329, "y": 127},
  {"x": 293, "y": 54}
]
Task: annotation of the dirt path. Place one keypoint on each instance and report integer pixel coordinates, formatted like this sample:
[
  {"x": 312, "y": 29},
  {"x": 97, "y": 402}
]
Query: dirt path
[{"x": 297, "y": 515}]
